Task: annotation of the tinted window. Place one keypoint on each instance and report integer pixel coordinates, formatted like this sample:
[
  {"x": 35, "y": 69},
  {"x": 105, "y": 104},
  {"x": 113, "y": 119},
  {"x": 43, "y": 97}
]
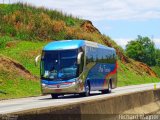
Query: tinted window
[{"x": 59, "y": 64}]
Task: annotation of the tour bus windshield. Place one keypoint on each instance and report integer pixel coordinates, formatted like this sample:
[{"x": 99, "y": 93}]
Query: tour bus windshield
[{"x": 59, "y": 65}]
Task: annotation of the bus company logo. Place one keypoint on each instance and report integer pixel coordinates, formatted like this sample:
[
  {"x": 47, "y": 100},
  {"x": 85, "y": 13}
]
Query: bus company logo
[{"x": 104, "y": 69}]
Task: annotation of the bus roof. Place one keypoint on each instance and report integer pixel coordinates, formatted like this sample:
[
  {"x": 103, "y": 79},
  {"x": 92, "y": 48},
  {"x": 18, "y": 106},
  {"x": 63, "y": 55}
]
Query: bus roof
[{"x": 72, "y": 44}]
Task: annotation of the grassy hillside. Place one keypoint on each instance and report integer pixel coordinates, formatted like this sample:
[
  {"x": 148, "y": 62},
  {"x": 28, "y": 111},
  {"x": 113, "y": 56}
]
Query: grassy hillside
[
  {"x": 30, "y": 23},
  {"x": 16, "y": 80},
  {"x": 24, "y": 52},
  {"x": 133, "y": 74},
  {"x": 24, "y": 30},
  {"x": 156, "y": 69}
]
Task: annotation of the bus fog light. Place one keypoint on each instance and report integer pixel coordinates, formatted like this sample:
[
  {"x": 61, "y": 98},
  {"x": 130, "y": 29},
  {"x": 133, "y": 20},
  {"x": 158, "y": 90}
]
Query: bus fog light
[{"x": 43, "y": 85}]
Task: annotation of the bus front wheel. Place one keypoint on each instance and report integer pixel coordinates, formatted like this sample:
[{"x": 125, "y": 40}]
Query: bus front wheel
[
  {"x": 54, "y": 96},
  {"x": 87, "y": 90}
]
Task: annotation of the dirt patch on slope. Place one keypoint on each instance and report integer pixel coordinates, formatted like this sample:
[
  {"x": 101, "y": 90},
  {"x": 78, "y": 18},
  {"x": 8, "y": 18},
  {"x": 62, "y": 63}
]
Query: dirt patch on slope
[
  {"x": 88, "y": 26},
  {"x": 140, "y": 68},
  {"x": 11, "y": 44},
  {"x": 145, "y": 68},
  {"x": 9, "y": 65}
]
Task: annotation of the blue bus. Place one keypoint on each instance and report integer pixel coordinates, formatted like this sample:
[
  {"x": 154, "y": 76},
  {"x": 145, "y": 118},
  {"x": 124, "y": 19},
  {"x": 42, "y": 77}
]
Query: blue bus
[{"x": 77, "y": 67}]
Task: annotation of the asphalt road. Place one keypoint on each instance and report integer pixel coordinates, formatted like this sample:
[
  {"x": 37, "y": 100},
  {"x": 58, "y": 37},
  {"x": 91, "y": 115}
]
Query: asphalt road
[{"x": 15, "y": 105}]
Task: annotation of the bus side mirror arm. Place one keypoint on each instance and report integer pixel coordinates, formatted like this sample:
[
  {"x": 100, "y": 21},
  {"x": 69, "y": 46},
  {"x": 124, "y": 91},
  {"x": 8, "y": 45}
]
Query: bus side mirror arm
[
  {"x": 79, "y": 57},
  {"x": 36, "y": 59}
]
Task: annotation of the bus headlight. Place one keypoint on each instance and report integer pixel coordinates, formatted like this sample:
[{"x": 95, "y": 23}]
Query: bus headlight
[
  {"x": 74, "y": 83},
  {"x": 44, "y": 85}
]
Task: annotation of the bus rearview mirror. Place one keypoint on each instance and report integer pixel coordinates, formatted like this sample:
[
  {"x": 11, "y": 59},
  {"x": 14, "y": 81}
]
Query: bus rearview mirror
[
  {"x": 36, "y": 59},
  {"x": 79, "y": 57}
]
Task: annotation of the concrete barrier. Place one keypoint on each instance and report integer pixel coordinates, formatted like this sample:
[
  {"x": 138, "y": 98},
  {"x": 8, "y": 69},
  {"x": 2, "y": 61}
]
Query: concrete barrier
[{"x": 144, "y": 102}]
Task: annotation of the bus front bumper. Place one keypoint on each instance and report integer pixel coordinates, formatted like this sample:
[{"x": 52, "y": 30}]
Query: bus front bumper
[{"x": 62, "y": 89}]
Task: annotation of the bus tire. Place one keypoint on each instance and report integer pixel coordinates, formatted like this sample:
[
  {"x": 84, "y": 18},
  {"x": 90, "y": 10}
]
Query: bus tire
[
  {"x": 54, "y": 96},
  {"x": 87, "y": 90},
  {"x": 109, "y": 88}
]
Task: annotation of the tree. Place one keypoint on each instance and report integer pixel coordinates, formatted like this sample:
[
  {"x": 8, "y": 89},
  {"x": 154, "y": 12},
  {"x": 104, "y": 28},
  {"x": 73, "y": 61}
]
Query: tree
[
  {"x": 142, "y": 49},
  {"x": 134, "y": 50},
  {"x": 158, "y": 62}
]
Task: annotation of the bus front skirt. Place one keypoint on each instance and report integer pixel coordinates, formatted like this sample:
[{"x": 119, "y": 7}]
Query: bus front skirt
[{"x": 62, "y": 89}]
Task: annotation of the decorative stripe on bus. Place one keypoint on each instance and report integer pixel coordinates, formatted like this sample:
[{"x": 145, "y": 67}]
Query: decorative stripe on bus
[{"x": 110, "y": 74}]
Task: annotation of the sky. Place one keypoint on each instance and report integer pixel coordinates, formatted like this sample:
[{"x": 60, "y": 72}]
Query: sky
[{"x": 122, "y": 20}]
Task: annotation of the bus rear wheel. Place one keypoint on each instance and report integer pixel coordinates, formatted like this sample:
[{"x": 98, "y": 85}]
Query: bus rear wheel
[
  {"x": 109, "y": 88},
  {"x": 54, "y": 96}
]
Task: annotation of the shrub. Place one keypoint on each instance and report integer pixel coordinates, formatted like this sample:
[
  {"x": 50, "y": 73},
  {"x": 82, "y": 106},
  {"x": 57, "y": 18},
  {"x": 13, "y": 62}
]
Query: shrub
[
  {"x": 4, "y": 40},
  {"x": 71, "y": 32},
  {"x": 158, "y": 62},
  {"x": 1, "y": 81},
  {"x": 70, "y": 22},
  {"x": 8, "y": 30},
  {"x": 58, "y": 26}
]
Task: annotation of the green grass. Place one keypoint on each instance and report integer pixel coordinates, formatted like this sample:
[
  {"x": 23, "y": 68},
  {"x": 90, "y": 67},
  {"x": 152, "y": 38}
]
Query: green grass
[
  {"x": 128, "y": 76},
  {"x": 11, "y": 83},
  {"x": 25, "y": 52},
  {"x": 156, "y": 69},
  {"x": 15, "y": 86},
  {"x": 4, "y": 40}
]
